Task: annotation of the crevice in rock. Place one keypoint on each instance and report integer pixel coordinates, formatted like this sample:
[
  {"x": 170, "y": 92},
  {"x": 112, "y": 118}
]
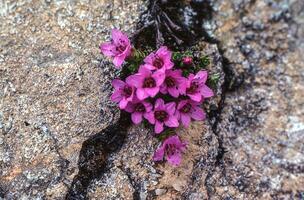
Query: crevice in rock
[
  {"x": 134, "y": 184},
  {"x": 94, "y": 154},
  {"x": 2, "y": 193},
  {"x": 177, "y": 24}
]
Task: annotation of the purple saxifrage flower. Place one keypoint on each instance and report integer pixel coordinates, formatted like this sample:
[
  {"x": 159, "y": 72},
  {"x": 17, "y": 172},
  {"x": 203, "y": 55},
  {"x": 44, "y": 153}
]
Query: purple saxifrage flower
[
  {"x": 119, "y": 48},
  {"x": 196, "y": 87},
  {"x": 123, "y": 93},
  {"x": 146, "y": 82},
  {"x": 187, "y": 109},
  {"x": 172, "y": 148},
  {"x": 174, "y": 83},
  {"x": 160, "y": 60},
  {"x": 138, "y": 110},
  {"x": 163, "y": 114}
]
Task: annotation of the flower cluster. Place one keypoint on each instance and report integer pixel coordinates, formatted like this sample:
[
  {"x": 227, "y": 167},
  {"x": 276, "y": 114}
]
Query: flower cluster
[{"x": 158, "y": 93}]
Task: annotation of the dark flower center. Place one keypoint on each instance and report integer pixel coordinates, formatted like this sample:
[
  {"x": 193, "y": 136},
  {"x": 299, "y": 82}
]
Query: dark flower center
[
  {"x": 170, "y": 82},
  {"x": 120, "y": 48},
  {"x": 149, "y": 82},
  {"x": 193, "y": 87},
  {"x": 171, "y": 149},
  {"x": 161, "y": 115},
  {"x": 158, "y": 63},
  {"x": 139, "y": 107},
  {"x": 186, "y": 108},
  {"x": 127, "y": 91}
]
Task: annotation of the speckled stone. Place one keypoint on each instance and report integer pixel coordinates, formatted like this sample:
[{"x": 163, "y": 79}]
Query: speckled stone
[{"x": 54, "y": 89}]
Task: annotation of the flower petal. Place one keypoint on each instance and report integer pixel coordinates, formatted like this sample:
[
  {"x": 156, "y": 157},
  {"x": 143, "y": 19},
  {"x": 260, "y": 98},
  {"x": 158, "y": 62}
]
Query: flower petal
[
  {"x": 149, "y": 67},
  {"x": 170, "y": 107},
  {"x": 202, "y": 76},
  {"x": 108, "y": 49},
  {"x": 116, "y": 96},
  {"x": 175, "y": 159},
  {"x": 117, "y": 36},
  {"x": 152, "y": 92},
  {"x": 185, "y": 119},
  {"x": 123, "y": 103},
  {"x": 159, "y": 154},
  {"x": 117, "y": 83},
  {"x": 130, "y": 107},
  {"x": 198, "y": 114},
  {"x": 148, "y": 106},
  {"x": 206, "y": 91},
  {"x": 163, "y": 89},
  {"x": 195, "y": 97},
  {"x": 141, "y": 94},
  {"x": 136, "y": 117},
  {"x": 159, "y": 127},
  {"x": 159, "y": 77},
  {"x": 144, "y": 71},
  {"x": 149, "y": 59},
  {"x": 181, "y": 104},
  {"x": 159, "y": 104},
  {"x": 118, "y": 60},
  {"x": 135, "y": 80},
  {"x": 173, "y": 92},
  {"x": 172, "y": 122},
  {"x": 150, "y": 117}
]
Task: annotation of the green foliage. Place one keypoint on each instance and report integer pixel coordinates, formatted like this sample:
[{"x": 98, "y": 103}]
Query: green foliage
[
  {"x": 213, "y": 80},
  {"x": 136, "y": 59},
  {"x": 165, "y": 134},
  {"x": 204, "y": 62}
]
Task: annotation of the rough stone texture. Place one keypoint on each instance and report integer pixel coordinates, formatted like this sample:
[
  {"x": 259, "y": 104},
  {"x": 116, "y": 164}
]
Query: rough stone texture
[
  {"x": 53, "y": 92},
  {"x": 262, "y": 124},
  {"x": 54, "y": 95}
]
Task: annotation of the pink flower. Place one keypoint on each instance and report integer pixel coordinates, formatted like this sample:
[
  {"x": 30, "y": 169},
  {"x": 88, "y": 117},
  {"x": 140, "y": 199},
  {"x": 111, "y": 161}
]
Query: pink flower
[
  {"x": 172, "y": 149},
  {"x": 123, "y": 93},
  {"x": 119, "y": 48},
  {"x": 138, "y": 110},
  {"x": 196, "y": 87},
  {"x": 174, "y": 83},
  {"x": 146, "y": 82},
  {"x": 162, "y": 114},
  {"x": 187, "y": 60},
  {"x": 187, "y": 109},
  {"x": 161, "y": 60}
]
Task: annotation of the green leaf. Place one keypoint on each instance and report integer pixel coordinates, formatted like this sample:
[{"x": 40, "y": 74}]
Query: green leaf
[
  {"x": 204, "y": 62},
  {"x": 165, "y": 134}
]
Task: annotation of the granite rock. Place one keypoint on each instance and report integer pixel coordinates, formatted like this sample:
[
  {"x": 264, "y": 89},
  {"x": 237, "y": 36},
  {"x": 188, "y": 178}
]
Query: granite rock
[{"x": 55, "y": 88}]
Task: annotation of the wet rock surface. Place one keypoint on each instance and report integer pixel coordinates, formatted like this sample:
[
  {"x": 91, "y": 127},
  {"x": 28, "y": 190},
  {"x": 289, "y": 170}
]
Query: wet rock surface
[{"x": 54, "y": 105}]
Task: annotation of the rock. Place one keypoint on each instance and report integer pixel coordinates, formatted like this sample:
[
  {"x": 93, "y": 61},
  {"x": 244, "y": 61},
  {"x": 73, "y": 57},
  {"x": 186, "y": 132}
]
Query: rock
[
  {"x": 54, "y": 89},
  {"x": 112, "y": 185},
  {"x": 135, "y": 156},
  {"x": 54, "y": 95},
  {"x": 160, "y": 192},
  {"x": 261, "y": 123}
]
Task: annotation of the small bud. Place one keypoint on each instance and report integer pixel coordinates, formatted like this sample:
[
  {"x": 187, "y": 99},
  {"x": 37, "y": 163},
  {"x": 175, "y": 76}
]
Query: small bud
[{"x": 187, "y": 60}]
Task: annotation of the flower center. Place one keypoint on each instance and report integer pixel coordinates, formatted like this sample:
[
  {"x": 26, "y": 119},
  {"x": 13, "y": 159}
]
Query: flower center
[
  {"x": 139, "y": 107},
  {"x": 158, "y": 63},
  {"x": 161, "y": 115},
  {"x": 120, "y": 48},
  {"x": 186, "y": 108},
  {"x": 149, "y": 82},
  {"x": 193, "y": 87},
  {"x": 171, "y": 149},
  {"x": 170, "y": 82},
  {"x": 127, "y": 91}
]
